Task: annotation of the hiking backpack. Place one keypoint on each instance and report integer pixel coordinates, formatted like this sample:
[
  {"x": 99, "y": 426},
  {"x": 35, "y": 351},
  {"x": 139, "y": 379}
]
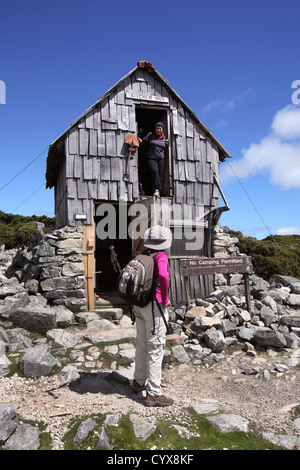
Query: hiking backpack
[{"x": 136, "y": 284}]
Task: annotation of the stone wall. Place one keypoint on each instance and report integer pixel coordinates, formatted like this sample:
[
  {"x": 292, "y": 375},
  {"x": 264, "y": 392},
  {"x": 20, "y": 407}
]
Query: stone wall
[
  {"x": 225, "y": 246},
  {"x": 52, "y": 266}
]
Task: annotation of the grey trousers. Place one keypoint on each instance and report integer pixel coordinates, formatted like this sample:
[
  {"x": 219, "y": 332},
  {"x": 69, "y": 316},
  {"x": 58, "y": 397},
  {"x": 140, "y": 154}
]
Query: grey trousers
[{"x": 149, "y": 347}]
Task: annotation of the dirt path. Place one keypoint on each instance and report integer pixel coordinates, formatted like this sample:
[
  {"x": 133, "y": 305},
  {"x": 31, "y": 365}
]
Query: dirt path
[{"x": 270, "y": 404}]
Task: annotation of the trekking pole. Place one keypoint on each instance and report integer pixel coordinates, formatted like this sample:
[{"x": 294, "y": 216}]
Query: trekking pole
[
  {"x": 114, "y": 259},
  {"x": 163, "y": 316}
]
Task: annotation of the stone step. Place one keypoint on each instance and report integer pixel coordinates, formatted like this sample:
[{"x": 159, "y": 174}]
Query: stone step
[{"x": 110, "y": 313}]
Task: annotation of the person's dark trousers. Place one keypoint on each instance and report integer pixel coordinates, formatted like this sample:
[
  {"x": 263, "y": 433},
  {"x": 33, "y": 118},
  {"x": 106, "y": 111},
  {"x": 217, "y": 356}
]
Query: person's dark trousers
[{"x": 157, "y": 168}]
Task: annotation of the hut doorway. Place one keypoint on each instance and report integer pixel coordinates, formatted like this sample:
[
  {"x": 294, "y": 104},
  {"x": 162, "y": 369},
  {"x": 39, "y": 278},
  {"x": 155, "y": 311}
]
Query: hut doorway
[
  {"x": 146, "y": 119},
  {"x": 113, "y": 247}
]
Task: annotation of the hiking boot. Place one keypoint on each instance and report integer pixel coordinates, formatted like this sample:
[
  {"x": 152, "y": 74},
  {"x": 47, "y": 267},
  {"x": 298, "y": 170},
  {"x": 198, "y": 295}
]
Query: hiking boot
[
  {"x": 159, "y": 400},
  {"x": 136, "y": 387}
]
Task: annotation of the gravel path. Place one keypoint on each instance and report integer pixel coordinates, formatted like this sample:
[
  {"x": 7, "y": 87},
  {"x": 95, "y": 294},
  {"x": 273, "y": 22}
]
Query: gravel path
[{"x": 270, "y": 404}]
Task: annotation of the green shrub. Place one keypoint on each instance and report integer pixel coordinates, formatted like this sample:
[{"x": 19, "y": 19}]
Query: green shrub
[
  {"x": 16, "y": 231},
  {"x": 278, "y": 254}
]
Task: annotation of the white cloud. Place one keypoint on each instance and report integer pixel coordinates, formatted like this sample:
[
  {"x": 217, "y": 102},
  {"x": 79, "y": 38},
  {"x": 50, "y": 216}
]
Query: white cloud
[
  {"x": 286, "y": 123},
  {"x": 226, "y": 105},
  {"x": 277, "y": 154},
  {"x": 288, "y": 231}
]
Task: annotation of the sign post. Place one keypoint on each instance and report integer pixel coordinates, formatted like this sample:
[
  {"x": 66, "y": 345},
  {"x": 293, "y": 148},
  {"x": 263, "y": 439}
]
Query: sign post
[{"x": 205, "y": 266}]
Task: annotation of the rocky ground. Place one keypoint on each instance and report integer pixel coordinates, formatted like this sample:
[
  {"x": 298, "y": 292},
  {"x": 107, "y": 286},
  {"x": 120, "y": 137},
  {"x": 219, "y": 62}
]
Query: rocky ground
[
  {"x": 59, "y": 362},
  {"x": 260, "y": 386}
]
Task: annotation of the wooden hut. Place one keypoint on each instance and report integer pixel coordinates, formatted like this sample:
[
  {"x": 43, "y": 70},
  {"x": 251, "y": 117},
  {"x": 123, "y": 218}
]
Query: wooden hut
[{"x": 91, "y": 164}]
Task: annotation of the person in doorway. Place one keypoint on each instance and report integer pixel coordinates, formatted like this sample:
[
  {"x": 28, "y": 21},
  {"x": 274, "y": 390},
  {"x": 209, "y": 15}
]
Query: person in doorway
[
  {"x": 150, "y": 326},
  {"x": 156, "y": 142}
]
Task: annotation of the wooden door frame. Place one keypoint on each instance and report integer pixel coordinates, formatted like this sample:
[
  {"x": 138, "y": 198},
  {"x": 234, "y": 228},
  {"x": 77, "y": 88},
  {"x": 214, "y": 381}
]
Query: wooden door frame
[{"x": 89, "y": 264}]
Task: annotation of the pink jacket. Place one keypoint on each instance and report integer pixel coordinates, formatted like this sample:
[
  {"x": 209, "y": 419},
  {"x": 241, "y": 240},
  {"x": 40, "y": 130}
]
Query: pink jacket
[{"x": 161, "y": 272}]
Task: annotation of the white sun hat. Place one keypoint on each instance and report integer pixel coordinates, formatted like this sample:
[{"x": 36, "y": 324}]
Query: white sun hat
[{"x": 158, "y": 238}]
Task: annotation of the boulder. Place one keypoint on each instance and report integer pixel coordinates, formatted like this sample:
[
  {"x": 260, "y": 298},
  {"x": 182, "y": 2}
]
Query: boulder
[
  {"x": 258, "y": 285},
  {"x": 290, "y": 321},
  {"x": 288, "y": 281},
  {"x": 10, "y": 286},
  {"x": 215, "y": 339},
  {"x": 83, "y": 431},
  {"x": 229, "y": 423},
  {"x": 4, "y": 365},
  {"x": 26, "y": 437},
  {"x": 62, "y": 338},
  {"x": 142, "y": 429},
  {"x": 228, "y": 327},
  {"x": 267, "y": 315},
  {"x": 37, "y": 361},
  {"x": 267, "y": 337},
  {"x": 293, "y": 300},
  {"x": 103, "y": 441},
  {"x": 180, "y": 354},
  {"x": 8, "y": 421},
  {"x": 34, "y": 318}
]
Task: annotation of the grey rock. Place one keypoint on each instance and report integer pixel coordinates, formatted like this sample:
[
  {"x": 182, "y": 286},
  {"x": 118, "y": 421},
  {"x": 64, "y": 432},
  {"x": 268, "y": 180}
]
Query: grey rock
[
  {"x": 287, "y": 281},
  {"x": 205, "y": 408},
  {"x": 228, "y": 327},
  {"x": 11, "y": 303},
  {"x": 269, "y": 302},
  {"x": 63, "y": 283},
  {"x": 83, "y": 431},
  {"x": 111, "y": 313},
  {"x": 267, "y": 315},
  {"x": 293, "y": 300},
  {"x": 61, "y": 337},
  {"x": 258, "y": 285},
  {"x": 44, "y": 249},
  {"x": 103, "y": 441},
  {"x": 3, "y": 347},
  {"x": 4, "y": 335},
  {"x": 281, "y": 367},
  {"x": 142, "y": 429},
  {"x": 8, "y": 421},
  {"x": 18, "y": 337},
  {"x": 73, "y": 269},
  {"x": 32, "y": 286},
  {"x": 282, "y": 440},
  {"x": 26, "y": 437},
  {"x": 37, "y": 361},
  {"x": 34, "y": 318},
  {"x": 4, "y": 365},
  {"x": 291, "y": 339},
  {"x": 290, "y": 320},
  {"x": 296, "y": 423},
  {"x": 69, "y": 375},
  {"x": 112, "y": 420},
  {"x": 292, "y": 362},
  {"x": 51, "y": 271},
  {"x": 127, "y": 355},
  {"x": 10, "y": 286},
  {"x": 69, "y": 246},
  {"x": 64, "y": 316},
  {"x": 246, "y": 334},
  {"x": 267, "y": 337},
  {"x": 180, "y": 354},
  {"x": 215, "y": 339},
  {"x": 228, "y": 422}
]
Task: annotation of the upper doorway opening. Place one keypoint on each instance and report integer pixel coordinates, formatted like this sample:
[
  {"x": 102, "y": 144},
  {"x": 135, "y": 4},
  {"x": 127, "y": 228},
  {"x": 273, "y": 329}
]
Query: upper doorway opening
[{"x": 146, "y": 119}]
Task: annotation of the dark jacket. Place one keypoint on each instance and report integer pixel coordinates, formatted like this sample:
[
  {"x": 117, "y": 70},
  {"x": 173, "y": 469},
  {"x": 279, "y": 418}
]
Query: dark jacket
[{"x": 156, "y": 146}]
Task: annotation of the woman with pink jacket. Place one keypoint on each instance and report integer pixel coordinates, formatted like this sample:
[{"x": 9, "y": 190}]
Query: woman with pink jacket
[{"x": 150, "y": 325}]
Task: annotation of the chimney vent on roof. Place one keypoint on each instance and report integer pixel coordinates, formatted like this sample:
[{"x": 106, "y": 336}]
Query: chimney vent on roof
[{"x": 145, "y": 64}]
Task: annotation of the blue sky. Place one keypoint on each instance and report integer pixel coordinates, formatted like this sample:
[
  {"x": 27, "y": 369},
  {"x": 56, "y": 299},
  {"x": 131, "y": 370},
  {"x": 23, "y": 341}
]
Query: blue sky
[{"x": 233, "y": 63}]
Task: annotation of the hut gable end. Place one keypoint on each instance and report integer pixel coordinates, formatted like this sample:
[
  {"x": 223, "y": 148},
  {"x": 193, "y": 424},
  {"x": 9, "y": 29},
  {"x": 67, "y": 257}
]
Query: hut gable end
[{"x": 98, "y": 165}]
